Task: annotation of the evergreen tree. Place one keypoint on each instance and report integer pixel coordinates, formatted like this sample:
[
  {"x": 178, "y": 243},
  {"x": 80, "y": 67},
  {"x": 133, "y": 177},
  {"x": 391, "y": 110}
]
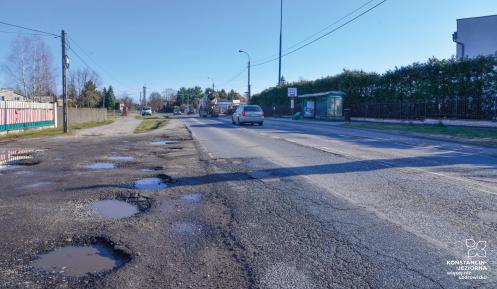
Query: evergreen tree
[{"x": 110, "y": 99}]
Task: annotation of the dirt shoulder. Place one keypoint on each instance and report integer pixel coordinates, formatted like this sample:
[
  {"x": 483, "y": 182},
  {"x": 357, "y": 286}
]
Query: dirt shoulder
[{"x": 177, "y": 241}]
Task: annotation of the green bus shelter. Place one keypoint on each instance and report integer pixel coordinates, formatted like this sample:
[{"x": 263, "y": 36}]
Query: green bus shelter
[{"x": 324, "y": 105}]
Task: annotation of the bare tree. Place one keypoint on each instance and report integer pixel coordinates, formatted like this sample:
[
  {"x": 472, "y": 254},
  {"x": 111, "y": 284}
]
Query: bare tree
[
  {"x": 29, "y": 67},
  {"x": 127, "y": 100},
  {"x": 76, "y": 83},
  {"x": 156, "y": 101}
]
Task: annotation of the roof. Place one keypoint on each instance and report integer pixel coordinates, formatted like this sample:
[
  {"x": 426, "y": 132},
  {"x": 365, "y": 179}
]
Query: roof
[
  {"x": 470, "y": 18},
  {"x": 327, "y": 93}
]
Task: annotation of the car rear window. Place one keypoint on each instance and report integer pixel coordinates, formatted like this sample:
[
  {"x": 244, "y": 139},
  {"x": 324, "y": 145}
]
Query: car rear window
[{"x": 252, "y": 108}]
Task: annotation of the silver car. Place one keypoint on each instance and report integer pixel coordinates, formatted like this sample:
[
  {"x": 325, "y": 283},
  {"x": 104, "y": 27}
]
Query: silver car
[{"x": 248, "y": 114}]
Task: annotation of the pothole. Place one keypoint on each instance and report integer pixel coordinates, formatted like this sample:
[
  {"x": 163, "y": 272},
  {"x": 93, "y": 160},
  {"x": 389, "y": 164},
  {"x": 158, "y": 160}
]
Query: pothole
[
  {"x": 192, "y": 198},
  {"x": 185, "y": 228},
  {"x": 175, "y": 148},
  {"x": 163, "y": 142},
  {"x": 99, "y": 166},
  {"x": 114, "y": 209},
  {"x": 120, "y": 158},
  {"x": 28, "y": 161},
  {"x": 38, "y": 185},
  {"x": 152, "y": 169},
  {"x": 150, "y": 184},
  {"x": 122, "y": 207},
  {"x": 81, "y": 260},
  {"x": 159, "y": 182}
]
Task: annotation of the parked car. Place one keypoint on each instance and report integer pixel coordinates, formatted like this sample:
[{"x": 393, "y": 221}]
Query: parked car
[
  {"x": 177, "y": 111},
  {"x": 146, "y": 111},
  {"x": 248, "y": 114}
]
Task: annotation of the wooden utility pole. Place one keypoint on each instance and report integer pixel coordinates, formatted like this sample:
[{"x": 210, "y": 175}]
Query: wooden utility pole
[{"x": 64, "y": 86}]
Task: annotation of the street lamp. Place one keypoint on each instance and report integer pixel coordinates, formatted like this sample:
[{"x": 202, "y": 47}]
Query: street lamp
[
  {"x": 281, "y": 40},
  {"x": 248, "y": 85}
]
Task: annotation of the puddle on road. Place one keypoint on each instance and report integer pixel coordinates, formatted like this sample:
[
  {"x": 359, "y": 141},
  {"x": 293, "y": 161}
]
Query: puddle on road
[
  {"x": 100, "y": 166},
  {"x": 185, "y": 228},
  {"x": 114, "y": 209},
  {"x": 163, "y": 142},
  {"x": 150, "y": 184},
  {"x": 192, "y": 198},
  {"x": 38, "y": 185},
  {"x": 13, "y": 158},
  {"x": 7, "y": 168},
  {"x": 120, "y": 158},
  {"x": 79, "y": 261}
]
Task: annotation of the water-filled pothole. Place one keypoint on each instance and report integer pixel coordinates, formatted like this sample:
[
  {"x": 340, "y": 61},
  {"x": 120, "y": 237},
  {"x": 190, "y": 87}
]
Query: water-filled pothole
[
  {"x": 192, "y": 198},
  {"x": 114, "y": 209},
  {"x": 158, "y": 182},
  {"x": 100, "y": 166},
  {"x": 150, "y": 184},
  {"x": 120, "y": 158},
  {"x": 152, "y": 169},
  {"x": 185, "y": 228},
  {"x": 81, "y": 261},
  {"x": 12, "y": 158},
  {"x": 38, "y": 185},
  {"x": 163, "y": 142}
]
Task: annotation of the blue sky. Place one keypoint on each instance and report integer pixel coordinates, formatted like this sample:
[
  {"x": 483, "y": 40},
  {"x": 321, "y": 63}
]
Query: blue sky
[{"x": 168, "y": 44}]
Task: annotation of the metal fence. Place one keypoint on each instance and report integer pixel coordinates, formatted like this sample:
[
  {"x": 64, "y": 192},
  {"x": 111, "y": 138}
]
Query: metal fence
[
  {"x": 18, "y": 115},
  {"x": 281, "y": 110},
  {"x": 443, "y": 108}
]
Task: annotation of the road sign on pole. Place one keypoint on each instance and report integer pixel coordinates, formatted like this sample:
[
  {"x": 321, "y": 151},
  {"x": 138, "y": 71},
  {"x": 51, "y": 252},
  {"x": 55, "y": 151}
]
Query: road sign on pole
[
  {"x": 292, "y": 92},
  {"x": 292, "y": 104}
]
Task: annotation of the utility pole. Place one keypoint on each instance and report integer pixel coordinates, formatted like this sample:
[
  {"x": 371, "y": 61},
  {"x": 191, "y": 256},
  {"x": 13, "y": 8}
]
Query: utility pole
[
  {"x": 144, "y": 96},
  {"x": 249, "y": 88},
  {"x": 140, "y": 100},
  {"x": 64, "y": 87},
  {"x": 281, "y": 40},
  {"x": 248, "y": 84}
]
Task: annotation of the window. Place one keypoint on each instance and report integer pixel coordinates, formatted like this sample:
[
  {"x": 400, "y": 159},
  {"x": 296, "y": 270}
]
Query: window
[{"x": 252, "y": 108}]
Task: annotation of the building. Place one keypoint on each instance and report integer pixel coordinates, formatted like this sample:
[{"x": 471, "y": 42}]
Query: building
[
  {"x": 225, "y": 105},
  {"x": 476, "y": 36},
  {"x": 325, "y": 105},
  {"x": 7, "y": 94}
]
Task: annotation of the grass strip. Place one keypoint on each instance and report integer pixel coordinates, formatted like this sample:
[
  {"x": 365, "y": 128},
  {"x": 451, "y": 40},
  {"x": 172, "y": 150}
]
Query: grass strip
[{"x": 50, "y": 132}]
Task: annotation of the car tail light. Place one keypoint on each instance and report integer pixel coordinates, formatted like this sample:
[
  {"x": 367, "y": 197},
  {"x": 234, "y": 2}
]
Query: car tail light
[
  {"x": 262, "y": 113},
  {"x": 243, "y": 114}
]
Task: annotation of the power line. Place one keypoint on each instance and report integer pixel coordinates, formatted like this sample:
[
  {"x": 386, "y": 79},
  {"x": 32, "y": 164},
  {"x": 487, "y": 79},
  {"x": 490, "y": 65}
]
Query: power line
[
  {"x": 92, "y": 60},
  {"x": 322, "y": 36},
  {"x": 317, "y": 33},
  {"x": 31, "y": 29},
  {"x": 234, "y": 77},
  {"x": 17, "y": 32}
]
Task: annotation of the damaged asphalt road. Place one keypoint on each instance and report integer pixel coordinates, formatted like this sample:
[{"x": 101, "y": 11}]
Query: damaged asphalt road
[
  {"x": 171, "y": 242},
  {"x": 176, "y": 215}
]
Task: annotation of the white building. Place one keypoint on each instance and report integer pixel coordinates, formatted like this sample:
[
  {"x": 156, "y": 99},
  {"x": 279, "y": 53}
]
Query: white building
[
  {"x": 7, "y": 94},
  {"x": 476, "y": 36}
]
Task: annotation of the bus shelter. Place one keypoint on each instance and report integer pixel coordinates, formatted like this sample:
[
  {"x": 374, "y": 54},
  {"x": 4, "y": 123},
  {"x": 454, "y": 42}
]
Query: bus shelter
[{"x": 324, "y": 105}]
